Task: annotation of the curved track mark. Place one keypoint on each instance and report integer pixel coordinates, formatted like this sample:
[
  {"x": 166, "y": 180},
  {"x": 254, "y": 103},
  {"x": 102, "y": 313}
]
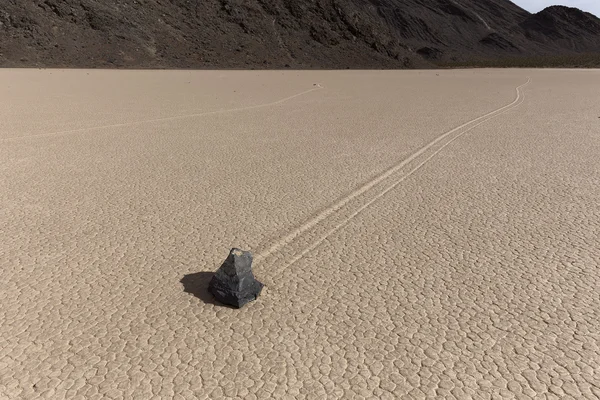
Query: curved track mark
[
  {"x": 175, "y": 117},
  {"x": 337, "y": 206},
  {"x": 383, "y": 193}
]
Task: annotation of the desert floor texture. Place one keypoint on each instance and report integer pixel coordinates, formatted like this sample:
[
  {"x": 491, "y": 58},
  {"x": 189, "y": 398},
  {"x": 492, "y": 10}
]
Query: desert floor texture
[{"x": 421, "y": 234}]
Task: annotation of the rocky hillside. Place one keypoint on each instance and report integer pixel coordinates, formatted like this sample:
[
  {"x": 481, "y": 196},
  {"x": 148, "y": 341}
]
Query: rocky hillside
[{"x": 284, "y": 33}]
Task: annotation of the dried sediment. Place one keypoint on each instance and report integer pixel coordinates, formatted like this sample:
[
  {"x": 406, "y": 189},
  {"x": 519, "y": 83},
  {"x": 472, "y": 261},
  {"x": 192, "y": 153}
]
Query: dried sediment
[{"x": 467, "y": 273}]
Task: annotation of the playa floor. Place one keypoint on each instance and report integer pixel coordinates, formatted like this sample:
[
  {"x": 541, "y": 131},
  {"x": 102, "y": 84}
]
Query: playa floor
[{"x": 421, "y": 234}]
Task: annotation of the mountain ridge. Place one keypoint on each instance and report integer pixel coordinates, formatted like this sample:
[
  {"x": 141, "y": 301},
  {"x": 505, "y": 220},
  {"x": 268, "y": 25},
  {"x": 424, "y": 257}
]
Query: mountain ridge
[{"x": 286, "y": 33}]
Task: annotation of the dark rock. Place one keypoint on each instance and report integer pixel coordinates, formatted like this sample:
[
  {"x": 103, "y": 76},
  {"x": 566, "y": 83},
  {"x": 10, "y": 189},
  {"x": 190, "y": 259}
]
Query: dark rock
[{"x": 234, "y": 283}]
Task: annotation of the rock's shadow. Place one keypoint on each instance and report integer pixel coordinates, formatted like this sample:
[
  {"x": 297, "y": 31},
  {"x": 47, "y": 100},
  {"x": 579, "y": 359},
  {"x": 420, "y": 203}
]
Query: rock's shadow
[{"x": 197, "y": 284}]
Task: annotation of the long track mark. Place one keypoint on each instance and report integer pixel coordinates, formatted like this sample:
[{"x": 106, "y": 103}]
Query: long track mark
[
  {"x": 337, "y": 206},
  {"x": 174, "y": 117}
]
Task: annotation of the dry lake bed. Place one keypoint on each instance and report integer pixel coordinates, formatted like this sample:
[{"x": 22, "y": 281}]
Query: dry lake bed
[{"x": 421, "y": 234}]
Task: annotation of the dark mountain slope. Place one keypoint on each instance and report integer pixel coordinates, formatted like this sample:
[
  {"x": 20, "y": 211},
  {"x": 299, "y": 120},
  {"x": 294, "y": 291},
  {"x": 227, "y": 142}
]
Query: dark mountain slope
[
  {"x": 284, "y": 33},
  {"x": 561, "y": 26}
]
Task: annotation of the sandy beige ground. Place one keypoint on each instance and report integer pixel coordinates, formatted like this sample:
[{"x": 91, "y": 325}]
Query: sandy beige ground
[{"x": 423, "y": 234}]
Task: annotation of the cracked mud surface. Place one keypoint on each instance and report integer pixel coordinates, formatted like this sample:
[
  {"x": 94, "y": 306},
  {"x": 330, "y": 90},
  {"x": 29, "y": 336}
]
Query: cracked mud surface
[{"x": 470, "y": 271}]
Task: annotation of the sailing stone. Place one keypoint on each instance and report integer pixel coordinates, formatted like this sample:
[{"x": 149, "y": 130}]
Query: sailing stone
[{"x": 234, "y": 283}]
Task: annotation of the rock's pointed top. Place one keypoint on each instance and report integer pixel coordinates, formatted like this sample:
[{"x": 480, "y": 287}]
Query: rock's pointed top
[{"x": 238, "y": 262}]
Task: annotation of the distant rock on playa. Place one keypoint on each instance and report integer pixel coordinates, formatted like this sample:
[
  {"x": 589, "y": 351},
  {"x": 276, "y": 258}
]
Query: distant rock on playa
[{"x": 234, "y": 283}]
